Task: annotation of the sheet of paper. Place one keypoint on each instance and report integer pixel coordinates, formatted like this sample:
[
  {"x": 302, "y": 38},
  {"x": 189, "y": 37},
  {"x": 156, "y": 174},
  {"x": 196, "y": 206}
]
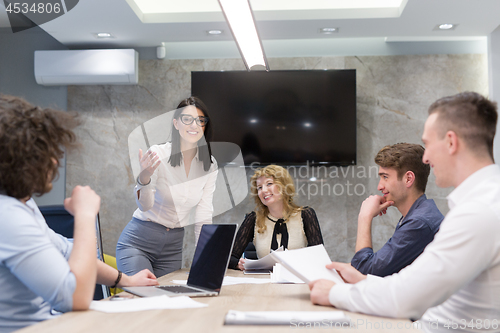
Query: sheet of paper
[
  {"x": 257, "y": 272},
  {"x": 263, "y": 263},
  {"x": 282, "y": 275},
  {"x": 146, "y": 303},
  {"x": 308, "y": 263},
  {"x": 285, "y": 317},
  {"x": 230, "y": 280}
]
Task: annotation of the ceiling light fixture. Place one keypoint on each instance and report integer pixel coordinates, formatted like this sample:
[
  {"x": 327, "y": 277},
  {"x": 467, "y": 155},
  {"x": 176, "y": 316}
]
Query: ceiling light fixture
[
  {"x": 328, "y": 31},
  {"x": 239, "y": 16},
  {"x": 214, "y": 32},
  {"x": 104, "y": 35},
  {"x": 446, "y": 26}
]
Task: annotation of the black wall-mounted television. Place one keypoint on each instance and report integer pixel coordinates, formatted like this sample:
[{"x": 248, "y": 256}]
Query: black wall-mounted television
[{"x": 293, "y": 117}]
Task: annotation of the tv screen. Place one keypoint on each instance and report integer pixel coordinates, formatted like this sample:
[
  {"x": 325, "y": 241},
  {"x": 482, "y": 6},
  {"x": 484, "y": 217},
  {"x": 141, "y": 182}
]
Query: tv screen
[{"x": 283, "y": 117}]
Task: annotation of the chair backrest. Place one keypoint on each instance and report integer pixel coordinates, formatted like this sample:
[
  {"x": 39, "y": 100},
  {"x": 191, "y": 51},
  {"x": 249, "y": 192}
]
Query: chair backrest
[
  {"x": 250, "y": 252},
  {"x": 62, "y": 222},
  {"x": 58, "y": 219},
  {"x": 100, "y": 255}
]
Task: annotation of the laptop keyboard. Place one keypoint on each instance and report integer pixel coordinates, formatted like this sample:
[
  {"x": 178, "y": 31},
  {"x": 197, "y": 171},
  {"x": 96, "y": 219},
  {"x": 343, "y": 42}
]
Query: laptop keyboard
[{"x": 179, "y": 289}]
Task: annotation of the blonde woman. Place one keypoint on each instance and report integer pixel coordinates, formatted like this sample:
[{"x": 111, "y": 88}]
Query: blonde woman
[{"x": 277, "y": 220}]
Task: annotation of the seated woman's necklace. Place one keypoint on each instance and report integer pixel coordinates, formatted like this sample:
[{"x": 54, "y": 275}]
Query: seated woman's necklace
[{"x": 279, "y": 228}]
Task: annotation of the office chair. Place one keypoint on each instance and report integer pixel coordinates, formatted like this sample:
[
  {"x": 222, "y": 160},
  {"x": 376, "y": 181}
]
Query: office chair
[
  {"x": 250, "y": 252},
  {"x": 105, "y": 290},
  {"x": 59, "y": 220}
]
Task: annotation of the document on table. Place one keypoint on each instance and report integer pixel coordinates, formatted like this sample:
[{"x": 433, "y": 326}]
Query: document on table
[
  {"x": 286, "y": 318},
  {"x": 231, "y": 280},
  {"x": 282, "y": 275},
  {"x": 308, "y": 263},
  {"x": 146, "y": 303},
  {"x": 266, "y": 262},
  {"x": 257, "y": 272}
]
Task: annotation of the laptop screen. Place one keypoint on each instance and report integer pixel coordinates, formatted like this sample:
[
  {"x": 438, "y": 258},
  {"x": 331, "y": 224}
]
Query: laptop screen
[{"x": 212, "y": 256}]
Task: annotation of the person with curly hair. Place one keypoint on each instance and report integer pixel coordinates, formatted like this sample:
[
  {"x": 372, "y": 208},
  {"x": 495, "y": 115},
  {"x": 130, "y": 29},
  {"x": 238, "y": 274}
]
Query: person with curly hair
[
  {"x": 277, "y": 219},
  {"x": 39, "y": 269}
]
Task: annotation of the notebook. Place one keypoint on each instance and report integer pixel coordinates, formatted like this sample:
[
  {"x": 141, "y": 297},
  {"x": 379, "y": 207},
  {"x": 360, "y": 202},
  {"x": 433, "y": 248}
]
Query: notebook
[{"x": 209, "y": 266}]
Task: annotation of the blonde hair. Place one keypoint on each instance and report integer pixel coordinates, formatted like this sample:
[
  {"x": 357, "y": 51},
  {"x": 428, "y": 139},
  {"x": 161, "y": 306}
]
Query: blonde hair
[{"x": 286, "y": 187}]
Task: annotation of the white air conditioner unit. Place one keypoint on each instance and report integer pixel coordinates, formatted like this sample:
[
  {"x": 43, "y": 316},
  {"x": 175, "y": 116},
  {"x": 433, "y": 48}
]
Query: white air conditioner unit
[{"x": 86, "y": 67}]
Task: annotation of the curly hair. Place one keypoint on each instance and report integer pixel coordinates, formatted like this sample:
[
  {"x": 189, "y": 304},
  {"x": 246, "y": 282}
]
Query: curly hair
[
  {"x": 31, "y": 145},
  {"x": 287, "y": 189}
]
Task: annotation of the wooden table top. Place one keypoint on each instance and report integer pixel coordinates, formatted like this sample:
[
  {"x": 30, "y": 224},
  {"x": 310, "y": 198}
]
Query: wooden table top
[{"x": 242, "y": 297}]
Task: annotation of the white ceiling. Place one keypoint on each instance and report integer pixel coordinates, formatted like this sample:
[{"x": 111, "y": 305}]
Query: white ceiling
[{"x": 283, "y": 34}]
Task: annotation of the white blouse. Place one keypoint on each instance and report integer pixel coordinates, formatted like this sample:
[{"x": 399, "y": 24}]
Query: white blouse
[
  {"x": 171, "y": 195},
  {"x": 296, "y": 236}
]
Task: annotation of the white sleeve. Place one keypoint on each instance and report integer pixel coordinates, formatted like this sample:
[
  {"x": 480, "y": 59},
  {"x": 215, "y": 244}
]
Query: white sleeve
[
  {"x": 460, "y": 251},
  {"x": 205, "y": 208},
  {"x": 146, "y": 198}
]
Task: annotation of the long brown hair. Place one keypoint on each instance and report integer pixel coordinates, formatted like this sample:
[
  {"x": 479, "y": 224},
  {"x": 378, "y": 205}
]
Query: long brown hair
[
  {"x": 284, "y": 181},
  {"x": 31, "y": 145},
  {"x": 204, "y": 149}
]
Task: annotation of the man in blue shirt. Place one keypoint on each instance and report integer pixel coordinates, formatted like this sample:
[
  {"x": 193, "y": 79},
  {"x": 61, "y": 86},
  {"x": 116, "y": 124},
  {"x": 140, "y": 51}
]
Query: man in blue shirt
[{"x": 403, "y": 178}]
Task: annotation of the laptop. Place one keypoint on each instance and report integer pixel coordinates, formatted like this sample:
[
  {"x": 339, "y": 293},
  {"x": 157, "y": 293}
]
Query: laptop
[{"x": 210, "y": 261}]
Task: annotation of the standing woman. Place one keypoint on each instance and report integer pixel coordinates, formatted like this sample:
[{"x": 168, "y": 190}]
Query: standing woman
[
  {"x": 277, "y": 219},
  {"x": 175, "y": 177}
]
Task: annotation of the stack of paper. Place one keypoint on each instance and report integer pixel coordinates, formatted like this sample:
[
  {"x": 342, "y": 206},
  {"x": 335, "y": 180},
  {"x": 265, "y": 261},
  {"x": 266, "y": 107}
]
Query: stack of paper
[
  {"x": 308, "y": 263},
  {"x": 287, "y": 318},
  {"x": 266, "y": 263},
  {"x": 282, "y": 275},
  {"x": 231, "y": 280},
  {"x": 146, "y": 303}
]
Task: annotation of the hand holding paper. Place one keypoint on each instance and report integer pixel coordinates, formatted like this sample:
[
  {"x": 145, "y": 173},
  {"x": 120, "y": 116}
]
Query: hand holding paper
[
  {"x": 320, "y": 291},
  {"x": 348, "y": 273}
]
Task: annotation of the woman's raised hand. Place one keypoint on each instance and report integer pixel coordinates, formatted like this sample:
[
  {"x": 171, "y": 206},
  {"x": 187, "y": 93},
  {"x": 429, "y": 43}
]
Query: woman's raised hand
[{"x": 149, "y": 163}]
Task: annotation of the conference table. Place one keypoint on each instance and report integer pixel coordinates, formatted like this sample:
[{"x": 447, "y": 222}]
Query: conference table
[{"x": 240, "y": 297}]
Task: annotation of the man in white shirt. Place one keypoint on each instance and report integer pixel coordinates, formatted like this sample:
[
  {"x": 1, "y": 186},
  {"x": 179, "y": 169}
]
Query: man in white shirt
[{"x": 455, "y": 283}]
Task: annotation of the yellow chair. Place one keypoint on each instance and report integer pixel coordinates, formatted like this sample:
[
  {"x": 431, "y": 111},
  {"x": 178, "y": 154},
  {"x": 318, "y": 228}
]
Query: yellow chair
[{"x": 111, "y": 261}]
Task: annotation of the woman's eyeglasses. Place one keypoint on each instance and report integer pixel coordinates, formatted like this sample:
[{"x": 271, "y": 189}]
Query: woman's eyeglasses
[{"x": 188, "y": 120}]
